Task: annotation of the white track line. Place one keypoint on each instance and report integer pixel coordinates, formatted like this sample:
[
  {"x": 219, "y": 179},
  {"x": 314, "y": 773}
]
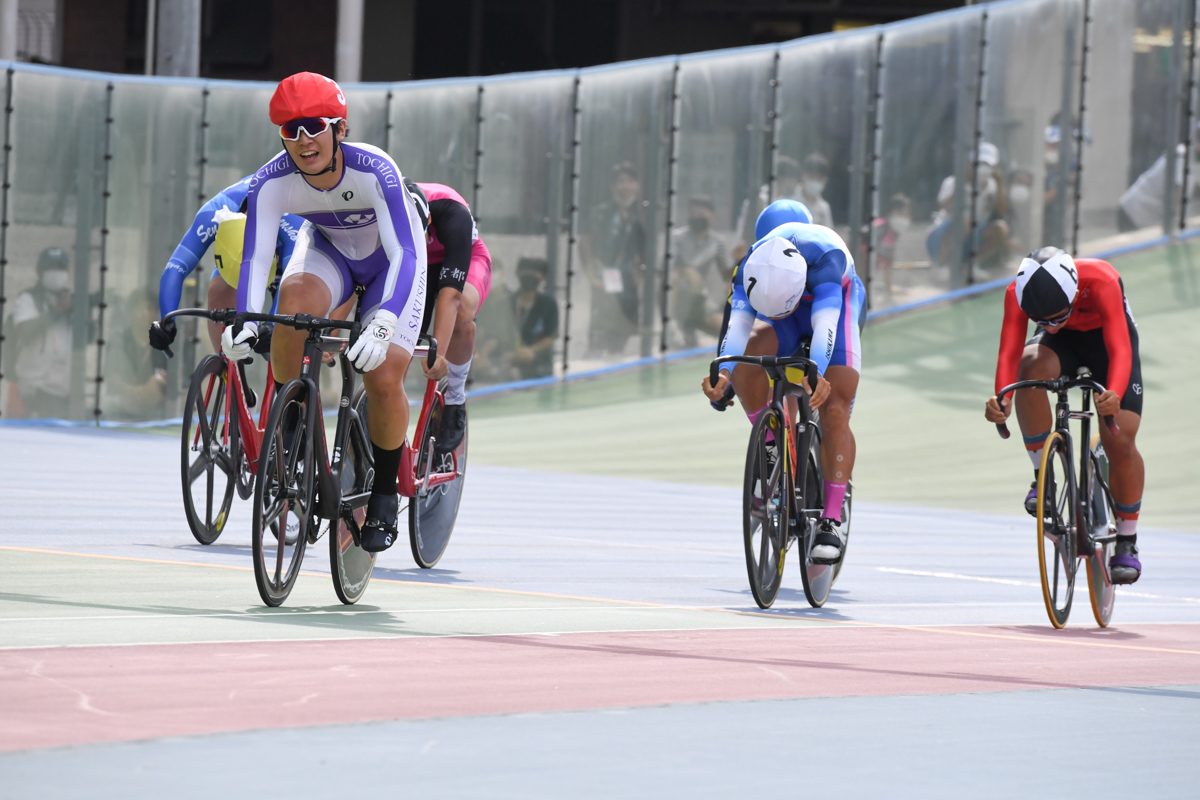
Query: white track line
[{"x": 1008, "y": 582}]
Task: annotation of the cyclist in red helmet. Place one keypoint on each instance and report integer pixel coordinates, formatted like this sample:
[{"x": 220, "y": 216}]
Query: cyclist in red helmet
[{"x": 361, "y": 228}]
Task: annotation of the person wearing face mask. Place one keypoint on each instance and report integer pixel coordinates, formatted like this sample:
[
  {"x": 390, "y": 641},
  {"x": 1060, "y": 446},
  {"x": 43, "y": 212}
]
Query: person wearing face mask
[
  {"x": 989, "y": 238},
  {"x": 812, "y": 185},
  {"x": 886, "y": 232},
  {"x": 39, "y": 347},
  {"x": 613, "y": 252},
  {"x": 536, "y": 315},
  {"x": 702, "y": 272}
]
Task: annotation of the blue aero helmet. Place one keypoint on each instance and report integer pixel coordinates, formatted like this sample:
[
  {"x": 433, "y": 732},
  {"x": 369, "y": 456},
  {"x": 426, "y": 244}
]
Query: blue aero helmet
[{"x": 779, "y": 213}]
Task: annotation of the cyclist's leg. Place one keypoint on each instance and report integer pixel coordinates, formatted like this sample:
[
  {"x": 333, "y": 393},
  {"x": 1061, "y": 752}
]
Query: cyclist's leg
[
  {"x": 475, "y": 291},
  {"x": 1046, "y": 357},
  {"x": 317, "y": 280},
  {"x": 1127, "y": 471},
  {"x": 220, "y": 295},
  {"x": 750, "y": 382},
  {"x": 388, "y": 419},
  {"x": 837, "y": 445}
]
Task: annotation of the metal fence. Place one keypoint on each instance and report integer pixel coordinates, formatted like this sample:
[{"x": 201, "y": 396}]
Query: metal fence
[{"x": 941, "y": 148}]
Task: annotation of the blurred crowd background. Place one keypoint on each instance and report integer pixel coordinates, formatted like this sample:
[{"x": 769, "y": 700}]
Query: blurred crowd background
[{"x": 616, "y": 200}]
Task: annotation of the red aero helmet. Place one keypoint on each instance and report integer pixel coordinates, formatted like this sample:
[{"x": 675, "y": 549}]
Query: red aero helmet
[{"x": 307, "y": 94}]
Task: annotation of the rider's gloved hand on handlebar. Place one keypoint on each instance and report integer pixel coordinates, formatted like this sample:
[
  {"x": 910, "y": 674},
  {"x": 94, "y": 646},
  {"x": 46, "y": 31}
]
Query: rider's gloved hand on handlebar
[
  {"x": 370, "y": 349},
  {"x": 162, "y": 334},
  {"x": 238, "y": 347}
]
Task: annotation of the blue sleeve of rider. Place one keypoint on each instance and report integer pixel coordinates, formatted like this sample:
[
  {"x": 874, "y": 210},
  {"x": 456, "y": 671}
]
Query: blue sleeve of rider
[
  {"x": 741, "y": 321},
  {"x": 191, "y": 248},
  {"x": 826, "y": 310}
]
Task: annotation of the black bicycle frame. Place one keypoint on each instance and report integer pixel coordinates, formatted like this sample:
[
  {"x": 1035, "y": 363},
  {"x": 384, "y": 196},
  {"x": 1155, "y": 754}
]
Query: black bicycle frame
[
  {"x": 1062, "y": 418},
  {"x": 330, "y": 504},
  {"x": 776, "y": 368}
]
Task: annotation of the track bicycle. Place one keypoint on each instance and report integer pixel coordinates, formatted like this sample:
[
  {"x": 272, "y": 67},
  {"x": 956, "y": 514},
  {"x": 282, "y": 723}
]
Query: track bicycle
[
  {"x": 1076, "y": 519},
  {"x": 220, "y": 442},
  {"x": 783, "y": 492}
]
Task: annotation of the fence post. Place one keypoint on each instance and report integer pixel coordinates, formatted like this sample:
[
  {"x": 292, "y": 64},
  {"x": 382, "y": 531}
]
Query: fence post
[
  {"x": 1079, "y": 125},
  {"x": 476, "y": 185},
  {"x": 672, "y": 189},
  {"x": 8, "y": 109},
  {"x": 977, "y": 140},
  {"x": 190, "y": 344},
  {"x": 105, "y": 194},
  {"x": 773, "y": 150},
  {"x": 572, "y": 223},
  {"x": 1175, "y": 105},
  {"x": 1189, "y": 132},
  {"x": 387, "y": 123},
  {"x": 873, "y": 166}
]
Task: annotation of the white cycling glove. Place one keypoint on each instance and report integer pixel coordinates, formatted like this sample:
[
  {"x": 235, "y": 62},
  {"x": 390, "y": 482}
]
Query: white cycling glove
[
  {"x": 370, "y": 349},
  {"x": 237, "y": 349}
]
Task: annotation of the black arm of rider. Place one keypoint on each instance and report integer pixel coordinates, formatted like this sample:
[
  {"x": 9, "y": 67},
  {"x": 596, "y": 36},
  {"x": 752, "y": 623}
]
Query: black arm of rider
[{"x": 455, "y": 228}]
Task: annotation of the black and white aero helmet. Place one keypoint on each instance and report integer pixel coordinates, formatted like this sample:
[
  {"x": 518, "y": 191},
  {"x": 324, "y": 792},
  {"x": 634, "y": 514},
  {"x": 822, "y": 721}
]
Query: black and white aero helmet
[
  {"x": 422, "y": 202},
  {"x": 1046, "y": 283}
]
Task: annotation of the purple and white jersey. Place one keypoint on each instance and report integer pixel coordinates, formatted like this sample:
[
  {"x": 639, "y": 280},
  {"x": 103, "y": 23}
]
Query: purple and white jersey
[{"x": 367, "y": 211}]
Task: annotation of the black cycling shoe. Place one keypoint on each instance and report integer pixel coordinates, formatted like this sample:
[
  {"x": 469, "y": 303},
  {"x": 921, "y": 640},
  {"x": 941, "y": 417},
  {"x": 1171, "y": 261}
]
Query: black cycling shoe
[
  {"x": 453, "y": 428},
  {"x": 829, "y": 543},
  {"x": 379, "y": 533}
]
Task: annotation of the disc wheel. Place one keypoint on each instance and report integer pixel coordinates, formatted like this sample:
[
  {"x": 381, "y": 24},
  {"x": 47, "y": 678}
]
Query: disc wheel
[
  {"x": 765, "y": 508},
  {"x": 210, "y": 453},
  {"x": 431, "y": 514},
  {"x": 817, "y": 578},
  {"x": 350, "y": 564},
  {"x": 1057, "y": 557},
  {"x": 1103, "y": 521},
  {"x": 283, "y": 495}
]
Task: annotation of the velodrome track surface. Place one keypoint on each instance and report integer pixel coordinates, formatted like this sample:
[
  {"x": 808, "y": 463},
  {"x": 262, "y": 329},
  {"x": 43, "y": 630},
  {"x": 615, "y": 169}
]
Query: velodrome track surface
[{"x": 593, "y": 634}]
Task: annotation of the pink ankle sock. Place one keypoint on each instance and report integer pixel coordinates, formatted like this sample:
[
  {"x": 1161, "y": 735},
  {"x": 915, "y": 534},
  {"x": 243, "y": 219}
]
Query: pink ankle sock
[
  {"x": 753, "y": 417},
  {"x": 834, "y": 494}
]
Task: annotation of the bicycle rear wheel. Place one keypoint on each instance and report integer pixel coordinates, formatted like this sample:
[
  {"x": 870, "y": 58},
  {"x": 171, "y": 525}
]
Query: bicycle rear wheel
[
  {"x": 283, "y": 495},
  {"x": 432, "y": 513},
  {"x": 818, "y": 578},
  {"x": 1057, "y": 557},
  {"x": 350, "y": 564},
  {"x": 209, "y": 457},
  {"x": 1101, "y": 590},
  {"x": 847, "y": 504},
  {"x": 765, "y": 508}
]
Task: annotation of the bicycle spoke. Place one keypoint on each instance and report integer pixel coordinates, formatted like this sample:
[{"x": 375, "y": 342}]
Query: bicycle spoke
[
  {"x": 209, "y": 499},
  {"x": 199, "y": 465},
  {"x": 281, "y": 540}
]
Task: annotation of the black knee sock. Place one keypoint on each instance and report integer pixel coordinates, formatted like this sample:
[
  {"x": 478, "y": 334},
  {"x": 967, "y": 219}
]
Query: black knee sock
[{"x": 387, "y": 467}]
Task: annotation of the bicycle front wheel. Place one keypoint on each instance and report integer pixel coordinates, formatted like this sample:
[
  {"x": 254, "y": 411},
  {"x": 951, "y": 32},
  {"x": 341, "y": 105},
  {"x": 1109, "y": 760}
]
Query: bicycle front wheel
[
  {"x": 765, "y": 507},
  {"x": 283, "y": 495},
  {"x": 210, "y": 453},
  {"x": 350, "y": 564},
  {"x": 1101, "y": 590},
  {"x": 1057, "y": 558},
  {"x": 432, "y": 513}
]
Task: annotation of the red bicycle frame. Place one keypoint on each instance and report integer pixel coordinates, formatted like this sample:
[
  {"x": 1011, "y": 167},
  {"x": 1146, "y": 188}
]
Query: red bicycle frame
[
  {"x": 410, "y": 484},
  {"x": 250, "y": 434}
]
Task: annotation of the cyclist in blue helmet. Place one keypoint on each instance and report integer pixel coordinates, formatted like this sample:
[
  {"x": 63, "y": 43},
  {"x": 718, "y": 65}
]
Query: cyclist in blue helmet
[{"x": 779, "y": 213}]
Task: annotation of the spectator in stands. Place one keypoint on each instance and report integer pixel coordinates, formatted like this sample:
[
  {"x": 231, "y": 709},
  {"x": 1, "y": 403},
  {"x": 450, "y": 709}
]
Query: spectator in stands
[
  {"x": 496, "y": 335},
  {"x": 989, "y": 239},
  {"x": 702, "y": 272},
  {"x": 536, "y": 316},
  {"x": 38, "y": 356},
  {"x": 135, "y": 374},
  {"x": 1141, "y": 206},
  {"x": 613, "y": 252},
  {"x": 812, "y": 184},
  {"x": 886, "y": 231}
]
